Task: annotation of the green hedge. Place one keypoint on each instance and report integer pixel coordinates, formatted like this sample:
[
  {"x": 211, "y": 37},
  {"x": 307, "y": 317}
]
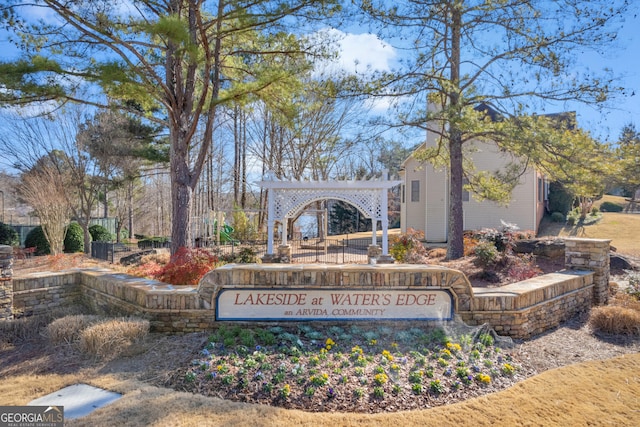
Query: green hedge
[
  {"x": 100, "y": 233},
  {"x": 610, "y": 207}
]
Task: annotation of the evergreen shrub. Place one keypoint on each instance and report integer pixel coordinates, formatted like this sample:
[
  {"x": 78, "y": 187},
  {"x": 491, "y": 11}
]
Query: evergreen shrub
[
  {"x": 100, "y": 233},
  {"x": 558, "y": 217},
  {"x": 560, "y": 200},
  {"x": 486, "y": 253},
  {"x": 610, "y": 207},
  {"x": 8, "y": 236},
  {"x": 36, "y": 239},
  {"x": 74, "y": 239}
]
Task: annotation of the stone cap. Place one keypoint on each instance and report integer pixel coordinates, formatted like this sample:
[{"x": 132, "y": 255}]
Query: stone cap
[{"x": 6, "y": 250}]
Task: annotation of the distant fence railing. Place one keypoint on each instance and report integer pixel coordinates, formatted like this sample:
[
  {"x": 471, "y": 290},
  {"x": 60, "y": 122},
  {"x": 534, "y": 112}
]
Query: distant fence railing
[
  {"x": 112, "y": 252},
  {"x": 331, "y": 251}
]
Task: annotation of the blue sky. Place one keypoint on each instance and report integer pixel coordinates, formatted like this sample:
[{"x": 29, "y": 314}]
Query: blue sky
[
  {"x": 362, "y": 50},
  {"x": 604, "y": 123}
]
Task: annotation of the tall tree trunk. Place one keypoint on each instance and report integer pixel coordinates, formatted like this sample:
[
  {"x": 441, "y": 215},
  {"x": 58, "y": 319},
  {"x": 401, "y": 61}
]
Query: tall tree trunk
[
  {"x": 130, "y": 209},
  {"x": 455, "y": 239},
  {"x": 106, "y": 200},
  {"x": 243, "y": 162},
  {"x": 236, "y": 156},
  {"x": 181, "y": 194}
]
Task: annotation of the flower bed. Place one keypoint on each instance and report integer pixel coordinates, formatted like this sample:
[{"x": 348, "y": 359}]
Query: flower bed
[{"x": 358, "y": 368}]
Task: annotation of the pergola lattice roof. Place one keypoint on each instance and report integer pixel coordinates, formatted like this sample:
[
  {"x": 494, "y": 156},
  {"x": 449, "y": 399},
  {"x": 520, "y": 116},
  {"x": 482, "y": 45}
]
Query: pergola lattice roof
[{"x": 287, "y": 198}]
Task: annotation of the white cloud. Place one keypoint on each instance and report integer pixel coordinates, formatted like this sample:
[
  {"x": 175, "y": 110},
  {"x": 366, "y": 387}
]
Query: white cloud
[{"x": 359, "y": 53}]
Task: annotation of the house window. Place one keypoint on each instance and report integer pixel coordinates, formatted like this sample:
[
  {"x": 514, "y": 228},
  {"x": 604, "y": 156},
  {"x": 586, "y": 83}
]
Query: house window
[
  {"x": 540, "y": 190},
  {"x": 415, "y": 191},
  {"x": 465, "y": 193},
  {"x": 403, "y": 192}
]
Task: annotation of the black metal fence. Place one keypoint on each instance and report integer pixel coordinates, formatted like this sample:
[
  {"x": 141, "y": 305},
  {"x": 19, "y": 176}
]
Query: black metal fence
[
  {"x": 329, "y": 251},
  {"x": 112, "y": 252}
]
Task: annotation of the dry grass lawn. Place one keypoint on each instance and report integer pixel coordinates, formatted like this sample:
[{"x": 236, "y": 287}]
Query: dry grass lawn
[
  {"x": 591, "y": 393},
  {"x": 622, "y": 228}
]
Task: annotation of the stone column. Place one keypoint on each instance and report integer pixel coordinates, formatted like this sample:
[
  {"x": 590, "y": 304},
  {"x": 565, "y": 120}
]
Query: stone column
[
  {"x": 373, "y": 253},
  {"x": 6, "y": 282},
  {"x": 284, "y": 253},
  {"x": 590, "y": 254}
]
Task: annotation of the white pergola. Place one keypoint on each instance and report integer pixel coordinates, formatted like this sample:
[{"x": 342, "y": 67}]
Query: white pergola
[{"x": 287, "y": 198}]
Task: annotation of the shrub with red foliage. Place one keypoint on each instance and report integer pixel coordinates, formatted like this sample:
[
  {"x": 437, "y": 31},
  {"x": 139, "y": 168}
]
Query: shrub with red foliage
[
  {"x": 522, "y": 267},
  {"x": 187, "y": 266},
  {"x": 149, "y": 269}
]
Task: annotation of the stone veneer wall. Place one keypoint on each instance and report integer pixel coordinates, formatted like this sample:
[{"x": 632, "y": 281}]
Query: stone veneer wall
[
  {"x": 519, "y": 310},
  {"x": 44, "y": 292},
  {"x": 528, "y": 308},
  {"x": 6, "y": 299},
  {"x": 168, "y": 308},
  {"x": 590, "y": 254}
]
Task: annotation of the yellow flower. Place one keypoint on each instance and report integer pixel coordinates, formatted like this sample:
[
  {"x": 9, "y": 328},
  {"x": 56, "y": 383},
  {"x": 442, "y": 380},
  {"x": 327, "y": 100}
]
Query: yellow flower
[
  {"x": 454, "y": 346},
  {"x": 356, "y": 350},
  {"x": 483, "y": 379},
  {"x": 380, "y": 379},
  {"x": 445, "y": 353}
]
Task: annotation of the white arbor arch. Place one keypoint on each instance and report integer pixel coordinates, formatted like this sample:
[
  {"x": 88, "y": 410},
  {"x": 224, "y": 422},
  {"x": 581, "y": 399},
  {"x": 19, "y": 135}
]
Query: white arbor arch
[{"x": 287, "y": 198}]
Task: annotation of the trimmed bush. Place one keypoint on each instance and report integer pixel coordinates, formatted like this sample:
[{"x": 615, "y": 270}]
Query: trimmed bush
[
  {"x": 610, "y": 207},
  {"x": 573, "y": 217},
  {"x": 100, "y": 233},
  {"x": 36, "y": 239},
  {"x": 74, "y": 239},
  {"x": 8, "y": 236},
  {"x": 558, "y": 217}
]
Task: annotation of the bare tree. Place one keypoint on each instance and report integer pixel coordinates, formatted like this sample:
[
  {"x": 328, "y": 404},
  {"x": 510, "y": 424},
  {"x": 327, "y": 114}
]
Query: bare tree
[
  {"x": 44, "y": 188},
  {"x": 28, "y": 140}
]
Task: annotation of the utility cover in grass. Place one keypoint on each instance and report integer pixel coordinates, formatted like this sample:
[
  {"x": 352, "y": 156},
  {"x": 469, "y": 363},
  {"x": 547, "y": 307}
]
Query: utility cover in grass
[{"x": 78, "y": 400}]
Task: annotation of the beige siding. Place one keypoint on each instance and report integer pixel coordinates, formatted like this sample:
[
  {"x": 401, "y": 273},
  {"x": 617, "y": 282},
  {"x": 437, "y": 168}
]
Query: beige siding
[
  {"x": 413, "y": 212},
  {"x": 429, "y": 212},
  {"x": 437, "y": 204},
  {"x": 523, "y": 208}
]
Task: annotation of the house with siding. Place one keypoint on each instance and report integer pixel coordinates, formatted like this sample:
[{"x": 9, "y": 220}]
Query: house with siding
[{"x": 425, "y": 194}]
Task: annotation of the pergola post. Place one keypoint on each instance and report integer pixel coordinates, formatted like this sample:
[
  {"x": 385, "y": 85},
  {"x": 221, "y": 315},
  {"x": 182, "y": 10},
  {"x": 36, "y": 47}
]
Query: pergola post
[{"x": 270, "y": 222}]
